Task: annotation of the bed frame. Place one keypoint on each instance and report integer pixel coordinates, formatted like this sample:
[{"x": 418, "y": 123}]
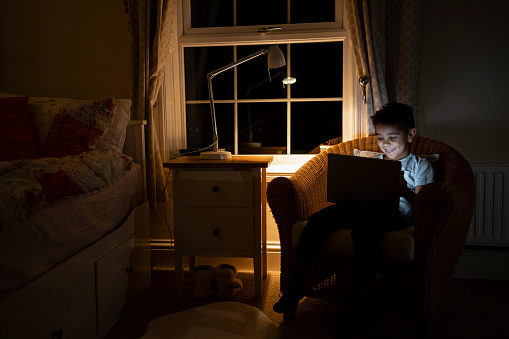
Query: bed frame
[{"x": 84, "y": 296}]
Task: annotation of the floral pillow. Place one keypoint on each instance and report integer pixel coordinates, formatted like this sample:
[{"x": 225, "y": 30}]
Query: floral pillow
[
  {"x": 432, "y": 158},
  {"x": 69, "y": 126},
  {"x": 114, "y": 137},
  {"x": 367, "y": 154}
]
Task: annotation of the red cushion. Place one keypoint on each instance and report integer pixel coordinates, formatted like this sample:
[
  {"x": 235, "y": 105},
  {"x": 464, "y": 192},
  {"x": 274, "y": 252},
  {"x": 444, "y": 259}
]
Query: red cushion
[
  {"x": 68, "y": 136},
  {"x": 16, "y": 130},
  {"x": 58, "y": 185},
  {"x": 70, "y": 126}
]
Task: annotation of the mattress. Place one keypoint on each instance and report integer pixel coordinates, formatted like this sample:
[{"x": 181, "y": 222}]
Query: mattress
[{"x": 57, "y": 231}]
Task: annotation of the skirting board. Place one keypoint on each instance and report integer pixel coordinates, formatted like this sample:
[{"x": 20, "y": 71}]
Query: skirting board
[
  {"x": 473, "y": 264},
  {"x": 483, "y": 264}
]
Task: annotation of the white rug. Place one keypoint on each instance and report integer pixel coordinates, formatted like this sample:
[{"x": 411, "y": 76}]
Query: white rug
[{"x": 217, "y": 320}]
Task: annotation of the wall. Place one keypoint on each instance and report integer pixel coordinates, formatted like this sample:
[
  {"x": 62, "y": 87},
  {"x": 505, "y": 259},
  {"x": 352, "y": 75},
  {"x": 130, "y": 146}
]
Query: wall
[
  {"x": 464, "y": 77},
  {"x": 463, "y": 91},
  {"x": 64, "y": 48}
]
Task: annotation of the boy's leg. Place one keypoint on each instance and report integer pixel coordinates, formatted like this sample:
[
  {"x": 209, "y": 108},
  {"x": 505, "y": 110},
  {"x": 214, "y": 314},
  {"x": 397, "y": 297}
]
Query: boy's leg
[
  {"x": 366, "y": 238},
  {"x": 319, "y": 226}
]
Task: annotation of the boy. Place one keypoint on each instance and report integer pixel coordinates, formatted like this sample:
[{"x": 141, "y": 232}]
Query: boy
[{"x": 395, "y": 131}]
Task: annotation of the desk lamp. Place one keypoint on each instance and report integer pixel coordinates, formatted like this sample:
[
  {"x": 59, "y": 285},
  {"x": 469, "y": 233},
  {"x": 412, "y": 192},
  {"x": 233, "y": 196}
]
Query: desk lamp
[{"x": 275, "y": 59}]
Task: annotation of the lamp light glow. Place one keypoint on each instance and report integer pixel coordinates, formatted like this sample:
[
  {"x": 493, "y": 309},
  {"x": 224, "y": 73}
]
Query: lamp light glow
[{"x": 289, "y": 80}]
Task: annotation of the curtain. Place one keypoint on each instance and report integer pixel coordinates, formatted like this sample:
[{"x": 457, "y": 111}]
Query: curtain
[
  {"x": 170, "y": 121},
  {"x": 151, "y": 23},
  {"x": 386, "y": 41}
]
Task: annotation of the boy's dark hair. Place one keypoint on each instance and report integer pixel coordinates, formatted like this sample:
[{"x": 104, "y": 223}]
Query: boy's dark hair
[{"x": 395, "y": 114}]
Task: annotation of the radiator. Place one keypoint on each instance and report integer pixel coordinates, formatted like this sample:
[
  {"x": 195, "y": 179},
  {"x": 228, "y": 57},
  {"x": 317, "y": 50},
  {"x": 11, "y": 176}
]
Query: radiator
[{"x": 490, "y": 223}]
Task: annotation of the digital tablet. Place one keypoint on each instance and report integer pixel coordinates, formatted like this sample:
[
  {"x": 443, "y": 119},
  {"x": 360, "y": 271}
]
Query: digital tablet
[{"x": 362, "y": 180}]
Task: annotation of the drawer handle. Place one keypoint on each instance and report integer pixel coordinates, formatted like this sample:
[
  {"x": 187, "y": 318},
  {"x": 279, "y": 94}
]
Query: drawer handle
[
  {"x": 215, "y": 189},
  {"x": 57, "y": 334},
  {"x": 215, "y": 232},
  {"x": 129, "y": 269}
]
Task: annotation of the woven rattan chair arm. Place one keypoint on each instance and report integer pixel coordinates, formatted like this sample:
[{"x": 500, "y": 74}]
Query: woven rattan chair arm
[
  {"x": 440, "y": 215},
  {"x": 296, "y": 198},
  {"x": 281, "y": 199},
  {"x": 433, "y": 207}
]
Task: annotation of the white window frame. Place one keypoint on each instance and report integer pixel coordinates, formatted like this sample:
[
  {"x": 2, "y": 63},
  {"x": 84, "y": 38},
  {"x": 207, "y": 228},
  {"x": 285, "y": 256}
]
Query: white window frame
[{"x": 354, "y": 118}]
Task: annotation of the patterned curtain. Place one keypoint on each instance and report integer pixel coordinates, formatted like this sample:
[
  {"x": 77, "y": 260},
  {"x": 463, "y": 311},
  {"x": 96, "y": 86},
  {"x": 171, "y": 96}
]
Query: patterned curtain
[
  {"x": 150, "y": 24},
  {"x": 386, "y": 40}
]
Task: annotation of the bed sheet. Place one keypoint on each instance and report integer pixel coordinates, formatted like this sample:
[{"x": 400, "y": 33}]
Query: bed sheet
[{"x": 57, "y": 231}]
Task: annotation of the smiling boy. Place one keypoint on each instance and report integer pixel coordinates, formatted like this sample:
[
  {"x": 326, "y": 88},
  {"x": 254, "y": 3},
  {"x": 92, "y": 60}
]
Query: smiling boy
[{"x": 395, "y": 130}]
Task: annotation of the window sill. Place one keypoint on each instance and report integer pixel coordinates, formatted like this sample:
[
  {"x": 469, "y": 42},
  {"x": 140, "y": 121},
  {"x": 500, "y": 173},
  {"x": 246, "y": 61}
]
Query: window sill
[{"x": 286, "y": 165}]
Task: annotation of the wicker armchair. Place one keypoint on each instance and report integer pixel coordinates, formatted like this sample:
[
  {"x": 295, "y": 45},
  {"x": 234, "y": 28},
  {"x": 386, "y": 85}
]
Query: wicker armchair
[{"x": 442, "y": 214}]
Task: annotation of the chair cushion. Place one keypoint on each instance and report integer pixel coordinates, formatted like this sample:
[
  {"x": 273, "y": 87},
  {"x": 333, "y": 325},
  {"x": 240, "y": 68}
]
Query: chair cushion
[{"x": 396, "y": 245}]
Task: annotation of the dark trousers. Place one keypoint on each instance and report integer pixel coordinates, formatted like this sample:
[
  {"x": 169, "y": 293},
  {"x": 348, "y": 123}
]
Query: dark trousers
[{"x": 368, "y": 226}]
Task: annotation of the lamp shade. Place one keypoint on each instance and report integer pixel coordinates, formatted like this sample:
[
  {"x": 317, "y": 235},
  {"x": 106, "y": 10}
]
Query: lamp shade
[{"x": 275, "y": 58}]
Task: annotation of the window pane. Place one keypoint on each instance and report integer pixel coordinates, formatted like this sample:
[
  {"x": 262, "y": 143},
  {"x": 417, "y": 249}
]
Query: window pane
[
  {"x": 199, "y": 61},
  {"x": 318, "y": 68},
  {"x": 262, "y": 128},
  {"x": 207, "y": 13},
  {"x": 199, "y": 125},
  {"x": 253, "y": 77},
  {"x": 219, "y": 13},
  {"x": 314, "y": 123},
  {"x": 320, "y": 11},
  {"x": 261, "y": 12}
]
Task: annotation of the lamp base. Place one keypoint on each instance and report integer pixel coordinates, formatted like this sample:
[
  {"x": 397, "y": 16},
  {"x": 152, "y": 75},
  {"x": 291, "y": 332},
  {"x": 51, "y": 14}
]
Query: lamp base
[{"x": 215, "y": 155}]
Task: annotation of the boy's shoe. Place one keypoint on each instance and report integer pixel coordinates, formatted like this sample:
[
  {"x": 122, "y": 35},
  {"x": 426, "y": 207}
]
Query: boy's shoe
[
  {"x": 226, "y": 281},
  {"x": 205, "y": 286},
  {"x": 288, "y": 304}
]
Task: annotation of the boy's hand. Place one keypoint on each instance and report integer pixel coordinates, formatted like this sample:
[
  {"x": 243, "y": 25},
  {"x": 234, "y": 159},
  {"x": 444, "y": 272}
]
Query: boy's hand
[{"x": 400, "y": 187}]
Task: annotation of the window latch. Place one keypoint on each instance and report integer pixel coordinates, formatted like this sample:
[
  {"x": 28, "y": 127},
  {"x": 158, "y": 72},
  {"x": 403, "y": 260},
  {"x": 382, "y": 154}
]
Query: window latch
[{"x": 267, "y": 29}]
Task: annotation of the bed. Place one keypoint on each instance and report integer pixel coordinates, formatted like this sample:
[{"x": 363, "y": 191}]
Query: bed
[{"x": 74, "y": 223}]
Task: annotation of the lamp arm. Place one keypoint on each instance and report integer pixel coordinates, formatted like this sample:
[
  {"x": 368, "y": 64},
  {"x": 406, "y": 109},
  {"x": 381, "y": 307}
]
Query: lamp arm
[
  {"x": 238, "y": 62},
  {"x": 215, "y": 137},
  {"x": 211, "y": 92}
]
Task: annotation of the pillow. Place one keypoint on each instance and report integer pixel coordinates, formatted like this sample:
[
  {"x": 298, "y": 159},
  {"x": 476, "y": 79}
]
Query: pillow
[
  {"x": 432, "y": 158},
  {"x": 16, "y": 130},
  {"x": 68, "y": 126},
  {"x": 367, "y": 154},
  {"x": 9, "y": 95},
  {"x": 114, "y": 137}
]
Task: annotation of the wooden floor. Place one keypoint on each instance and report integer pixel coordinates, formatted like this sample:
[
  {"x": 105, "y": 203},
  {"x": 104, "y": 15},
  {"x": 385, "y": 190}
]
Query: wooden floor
[{"x": 475, "y": 309}]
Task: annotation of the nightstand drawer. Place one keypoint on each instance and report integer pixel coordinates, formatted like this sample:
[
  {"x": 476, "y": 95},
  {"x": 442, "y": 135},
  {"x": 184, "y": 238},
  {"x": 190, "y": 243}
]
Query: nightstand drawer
[
  {"x": 216, "y": 231},
  {"x": 215, "y": 188}
]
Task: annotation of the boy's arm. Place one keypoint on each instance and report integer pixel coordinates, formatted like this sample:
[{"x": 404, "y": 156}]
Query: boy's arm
[
  {"x": 425, "y": 175},
  {"x": 401, "y": 188}
]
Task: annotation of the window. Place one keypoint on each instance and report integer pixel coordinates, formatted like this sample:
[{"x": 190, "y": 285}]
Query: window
[{"x": 256, "y": 112}]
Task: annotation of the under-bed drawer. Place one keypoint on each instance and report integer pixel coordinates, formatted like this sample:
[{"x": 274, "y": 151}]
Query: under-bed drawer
[
  {"x": 56, "y": 317},
  {"x": 122, "y": 275}
]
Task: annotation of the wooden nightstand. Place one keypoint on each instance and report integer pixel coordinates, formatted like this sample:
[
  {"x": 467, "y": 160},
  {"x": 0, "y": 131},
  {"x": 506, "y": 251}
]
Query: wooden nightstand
[{"x": 219, "y": 209}]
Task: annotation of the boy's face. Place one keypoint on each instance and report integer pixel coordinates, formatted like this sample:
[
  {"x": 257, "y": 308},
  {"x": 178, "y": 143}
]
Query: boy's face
[{"x": 395, "y": 143}]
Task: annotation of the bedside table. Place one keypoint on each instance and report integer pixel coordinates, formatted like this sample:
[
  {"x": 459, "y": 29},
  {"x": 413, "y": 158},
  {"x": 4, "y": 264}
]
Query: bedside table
[{"x": 219, "y": 209}]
